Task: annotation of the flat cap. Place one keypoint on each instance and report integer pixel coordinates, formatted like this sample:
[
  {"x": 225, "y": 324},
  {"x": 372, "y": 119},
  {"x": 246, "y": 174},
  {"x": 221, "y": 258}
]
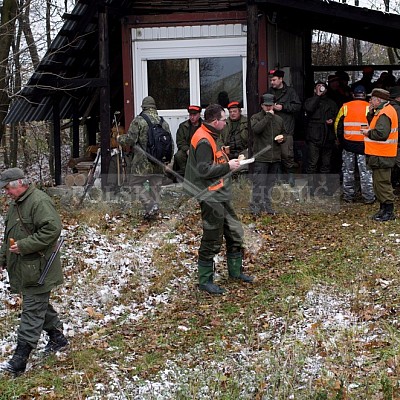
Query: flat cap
[
  {"x": 10, "y": 175},
  {"x": 268, "y": 99}
]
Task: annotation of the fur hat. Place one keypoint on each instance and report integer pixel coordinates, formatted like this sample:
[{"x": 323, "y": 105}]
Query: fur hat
[
  {"x": 277, "y": 72},
  {"x": 381, "y": 93}
]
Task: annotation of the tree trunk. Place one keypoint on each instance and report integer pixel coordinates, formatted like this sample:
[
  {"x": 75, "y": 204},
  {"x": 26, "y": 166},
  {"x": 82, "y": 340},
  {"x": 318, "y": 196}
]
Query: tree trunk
[
  {"x": 7, "y": 29},
  {"x": 343, "y": 50},
  {"x": 391, "y": 56},
  {"x": 24, "y": 20},
  {"x": 48, "y": 22}
]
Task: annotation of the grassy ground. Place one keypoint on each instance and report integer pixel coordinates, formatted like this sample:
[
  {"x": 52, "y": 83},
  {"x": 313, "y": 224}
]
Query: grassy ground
[{"x": 320, "y": 322}]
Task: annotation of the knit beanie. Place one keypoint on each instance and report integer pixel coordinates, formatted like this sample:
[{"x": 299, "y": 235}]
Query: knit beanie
[{"x": 148, "y": 102}]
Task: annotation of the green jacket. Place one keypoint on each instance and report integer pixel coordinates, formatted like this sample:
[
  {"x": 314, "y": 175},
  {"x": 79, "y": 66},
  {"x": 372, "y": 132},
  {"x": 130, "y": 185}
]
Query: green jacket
[
  {"x": 202, "y": 172},
  {"x": 41, "y": 219},
  {"x": 184, "y": 134},
  {"x": 137, "y": 138},
  {"x": 291, "y": 103},
  {"x": 266, "y": 127},
  {"x": 236, "y": 136}
]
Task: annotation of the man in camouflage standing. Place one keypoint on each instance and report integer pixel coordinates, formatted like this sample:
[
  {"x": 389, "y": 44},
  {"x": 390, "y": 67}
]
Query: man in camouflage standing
[{"x": 144, "y": 177}]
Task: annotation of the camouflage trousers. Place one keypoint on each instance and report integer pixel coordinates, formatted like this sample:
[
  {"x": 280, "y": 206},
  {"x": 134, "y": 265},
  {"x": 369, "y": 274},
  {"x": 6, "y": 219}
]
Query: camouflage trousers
[{"x": 348, "y": 170}]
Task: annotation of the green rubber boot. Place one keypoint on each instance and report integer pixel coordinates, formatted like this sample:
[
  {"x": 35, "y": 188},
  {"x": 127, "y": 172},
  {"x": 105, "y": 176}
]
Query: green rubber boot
[
  {"x": 235, "y": 268},
  {"x": 206, "y": 274}
]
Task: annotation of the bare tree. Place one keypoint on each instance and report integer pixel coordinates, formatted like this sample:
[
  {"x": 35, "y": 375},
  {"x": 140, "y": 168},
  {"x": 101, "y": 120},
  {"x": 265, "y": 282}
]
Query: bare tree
[
  {"x": 24, "y": 20},
  {"x": 7, "y": 27}
]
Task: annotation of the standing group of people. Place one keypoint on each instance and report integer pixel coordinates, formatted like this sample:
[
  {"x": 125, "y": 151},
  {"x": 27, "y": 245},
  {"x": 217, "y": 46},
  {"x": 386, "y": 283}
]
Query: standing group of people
[{"x": 367, "y": 132}]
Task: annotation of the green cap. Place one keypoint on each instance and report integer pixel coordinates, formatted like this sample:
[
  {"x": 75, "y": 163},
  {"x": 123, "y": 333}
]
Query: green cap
[
  {"x": 148, "y": 102},
  {"x": 9, "y": 175}
]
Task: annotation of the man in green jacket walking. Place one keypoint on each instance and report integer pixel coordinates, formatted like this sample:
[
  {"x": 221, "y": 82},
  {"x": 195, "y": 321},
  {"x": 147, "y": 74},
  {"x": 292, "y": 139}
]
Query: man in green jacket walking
[{"x": 32, "y": 229}]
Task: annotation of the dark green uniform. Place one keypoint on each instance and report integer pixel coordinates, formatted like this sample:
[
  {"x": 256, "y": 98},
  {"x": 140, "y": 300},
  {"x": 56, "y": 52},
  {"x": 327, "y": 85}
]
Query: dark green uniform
[
  {"x": 291, "y": 104},
  {"x": 236, "y": 136},
  {"x": 267, "y": 153},
  {"x": 183, "y": 137}
]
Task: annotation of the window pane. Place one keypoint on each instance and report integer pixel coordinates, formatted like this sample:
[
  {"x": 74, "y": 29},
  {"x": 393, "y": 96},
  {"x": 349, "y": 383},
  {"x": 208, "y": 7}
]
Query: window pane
[
  {"x": 169, "y": 83},
  {"x": 221, "y": 80}
]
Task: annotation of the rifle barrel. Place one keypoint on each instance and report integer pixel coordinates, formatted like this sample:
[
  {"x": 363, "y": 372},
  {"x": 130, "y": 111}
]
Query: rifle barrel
[{"x": 50, "y": 261}]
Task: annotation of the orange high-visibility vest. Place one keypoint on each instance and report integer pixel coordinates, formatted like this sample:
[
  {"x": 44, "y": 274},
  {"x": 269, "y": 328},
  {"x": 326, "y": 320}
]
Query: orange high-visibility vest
[
  {"x": 355, "y": 114},
  {"x": 387, "y": 148},
  {"x": 220, "y": 156}
]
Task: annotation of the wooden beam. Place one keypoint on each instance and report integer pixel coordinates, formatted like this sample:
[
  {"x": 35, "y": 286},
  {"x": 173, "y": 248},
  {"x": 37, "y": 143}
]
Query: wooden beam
[
  {"x": 105, "y": 125},
  {"x": 57, "y": 141},
  {"x": 252, "y": 66}
]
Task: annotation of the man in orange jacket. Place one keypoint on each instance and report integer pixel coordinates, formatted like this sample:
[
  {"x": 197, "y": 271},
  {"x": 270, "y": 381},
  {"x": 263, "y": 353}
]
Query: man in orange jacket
[
  {"x": 351, "y": 118},
  {"x": 381, "y": 150},
  {"x": 208, "y": 179}
]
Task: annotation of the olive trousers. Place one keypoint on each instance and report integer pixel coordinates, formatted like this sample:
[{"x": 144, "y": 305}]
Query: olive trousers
[{"x": 37, "y": 315}]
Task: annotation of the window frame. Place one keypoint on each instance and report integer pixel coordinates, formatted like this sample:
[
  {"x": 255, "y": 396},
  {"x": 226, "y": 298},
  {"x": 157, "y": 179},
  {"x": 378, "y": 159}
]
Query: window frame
[{"x": 194, "y": 50}]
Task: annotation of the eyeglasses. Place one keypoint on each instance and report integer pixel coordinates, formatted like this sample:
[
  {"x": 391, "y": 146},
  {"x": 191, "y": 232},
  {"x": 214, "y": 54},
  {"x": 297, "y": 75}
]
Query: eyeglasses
[{"x": 223, "y": 120}]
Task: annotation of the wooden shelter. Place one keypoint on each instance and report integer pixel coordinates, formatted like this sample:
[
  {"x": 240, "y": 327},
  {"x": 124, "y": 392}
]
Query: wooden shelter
[{"x": 109, "y": 54}]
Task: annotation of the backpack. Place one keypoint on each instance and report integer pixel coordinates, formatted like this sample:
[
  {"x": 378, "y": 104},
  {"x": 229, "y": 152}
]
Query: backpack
[{"x": 159, "y": 146}]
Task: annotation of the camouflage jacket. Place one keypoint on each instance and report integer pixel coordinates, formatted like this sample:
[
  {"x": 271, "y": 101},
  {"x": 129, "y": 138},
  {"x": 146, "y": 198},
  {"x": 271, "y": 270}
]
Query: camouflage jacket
[{"x": 137, "y": 138}]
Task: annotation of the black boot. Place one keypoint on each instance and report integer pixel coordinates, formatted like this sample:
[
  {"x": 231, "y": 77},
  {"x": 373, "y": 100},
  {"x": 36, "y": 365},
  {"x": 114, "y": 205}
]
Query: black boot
[
  {"x": 17, "y": 364},
  {"x": 380, "y": 212},
  {"x": 387, "y": 215},
  {"x": 57, "y": 341}
]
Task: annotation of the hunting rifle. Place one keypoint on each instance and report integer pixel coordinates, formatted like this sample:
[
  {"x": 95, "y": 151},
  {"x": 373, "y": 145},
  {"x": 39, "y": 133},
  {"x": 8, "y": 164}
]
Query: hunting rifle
[
  {"x": 91, "y": 178},
  {"x": 50, "y": 261}
]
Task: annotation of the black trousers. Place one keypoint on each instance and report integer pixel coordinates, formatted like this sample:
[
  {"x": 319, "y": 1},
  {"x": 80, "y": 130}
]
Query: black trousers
[{"x": 315, "y": 153}]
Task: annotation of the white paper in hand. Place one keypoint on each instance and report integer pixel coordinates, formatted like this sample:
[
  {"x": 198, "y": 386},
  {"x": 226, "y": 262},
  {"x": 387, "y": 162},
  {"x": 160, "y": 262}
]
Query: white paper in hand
[{"x": 246, "y": 161}]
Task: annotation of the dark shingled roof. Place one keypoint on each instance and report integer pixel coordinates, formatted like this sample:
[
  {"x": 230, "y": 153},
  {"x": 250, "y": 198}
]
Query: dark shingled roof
[{"x": 69, "y": 72}]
